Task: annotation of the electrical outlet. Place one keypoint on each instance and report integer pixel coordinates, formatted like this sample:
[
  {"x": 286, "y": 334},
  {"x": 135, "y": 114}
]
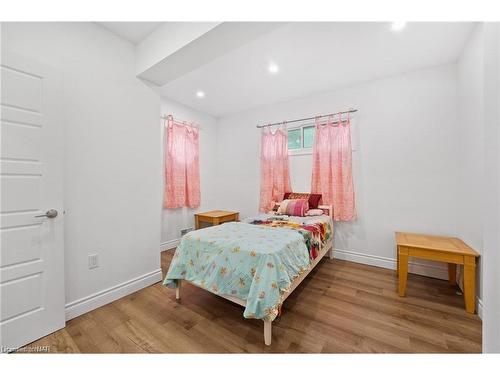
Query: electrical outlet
[
  {"x": 186, "y": 230},
  {"x": 93, "y": 261}
]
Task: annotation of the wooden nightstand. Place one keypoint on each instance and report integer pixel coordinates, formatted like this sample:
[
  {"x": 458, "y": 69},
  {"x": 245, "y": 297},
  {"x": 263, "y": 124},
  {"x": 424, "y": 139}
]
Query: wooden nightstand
[{"x": 215, "y": 217}]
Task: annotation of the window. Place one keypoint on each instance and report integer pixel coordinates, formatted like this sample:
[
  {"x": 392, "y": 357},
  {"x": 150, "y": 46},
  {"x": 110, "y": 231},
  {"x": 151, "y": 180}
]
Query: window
[
  {"x": 294, "y": 139},
  {"x": 301, "y": 140},
  {"x": 308, "y": 136}
]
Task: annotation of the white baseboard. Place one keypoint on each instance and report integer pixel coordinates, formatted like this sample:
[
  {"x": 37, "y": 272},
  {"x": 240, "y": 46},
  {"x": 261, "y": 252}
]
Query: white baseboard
[
  {"x": 480, "y": 308},
  {"x": 93, "y": 301},
  {"x": 170, "y": 244},
  {"x": 438, "y": 271}
]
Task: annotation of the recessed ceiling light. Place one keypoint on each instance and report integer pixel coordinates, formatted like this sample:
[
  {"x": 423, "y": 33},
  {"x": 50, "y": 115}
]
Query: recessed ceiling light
[
  {"x": 200, "y": 94},
  {"x": 398, "y": 26},
  {"x": 273, "y": 68}
]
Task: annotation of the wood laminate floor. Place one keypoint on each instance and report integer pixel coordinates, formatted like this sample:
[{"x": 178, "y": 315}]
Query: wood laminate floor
[{"x": 341, "y": 307}]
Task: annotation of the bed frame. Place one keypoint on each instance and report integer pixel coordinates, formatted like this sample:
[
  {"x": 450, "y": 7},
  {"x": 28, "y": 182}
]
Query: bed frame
[{"x": 328, "y": 248}]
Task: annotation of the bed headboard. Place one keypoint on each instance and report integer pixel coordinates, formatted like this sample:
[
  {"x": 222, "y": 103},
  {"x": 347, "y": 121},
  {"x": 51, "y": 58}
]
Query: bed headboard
[{"x": 328, "y": 209}]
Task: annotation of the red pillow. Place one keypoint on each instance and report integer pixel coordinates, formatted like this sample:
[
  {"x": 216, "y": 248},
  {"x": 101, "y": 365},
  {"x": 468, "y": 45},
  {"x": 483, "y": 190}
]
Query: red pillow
[{"x": 313, "y": 199}]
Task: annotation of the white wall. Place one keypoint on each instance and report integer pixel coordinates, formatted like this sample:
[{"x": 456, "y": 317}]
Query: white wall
[
  {"x": 479, "y": 103},
  {"x": 175, "y": 220},
  {"x": 112, "y": 153},
  {"x": 471, "y": 143},
  {"x": 491, "y": 233},
  {"x": 471, "y": 158},
  {"x": 167, "y": 39},
  {"x": 405, "y": 163}
]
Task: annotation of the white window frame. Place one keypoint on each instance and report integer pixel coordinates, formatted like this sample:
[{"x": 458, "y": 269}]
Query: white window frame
[{"x": 302, "y": 150}]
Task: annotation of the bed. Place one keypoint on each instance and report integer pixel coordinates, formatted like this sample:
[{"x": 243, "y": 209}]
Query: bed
[{"x": 256, "y": 263}]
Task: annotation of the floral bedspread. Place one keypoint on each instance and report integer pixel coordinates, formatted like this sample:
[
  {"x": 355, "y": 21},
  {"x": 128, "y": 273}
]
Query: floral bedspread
[
  {"x": 256, "y": 263},
  {"x": 316, "y": 232}
]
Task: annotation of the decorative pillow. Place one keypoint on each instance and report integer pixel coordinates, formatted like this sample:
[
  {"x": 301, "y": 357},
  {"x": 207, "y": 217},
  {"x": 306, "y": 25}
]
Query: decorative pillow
[
  {"x": 313, "y": 199},
  {"x": 315, "y": 212},
  {"x": 275, "y": 208},
  {"x": 293, "y": 207},
  {"x": 292, "y": 195}
]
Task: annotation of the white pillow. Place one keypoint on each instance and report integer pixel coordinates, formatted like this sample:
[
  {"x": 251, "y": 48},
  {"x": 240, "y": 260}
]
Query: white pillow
[{"x": 314, "y": 212}]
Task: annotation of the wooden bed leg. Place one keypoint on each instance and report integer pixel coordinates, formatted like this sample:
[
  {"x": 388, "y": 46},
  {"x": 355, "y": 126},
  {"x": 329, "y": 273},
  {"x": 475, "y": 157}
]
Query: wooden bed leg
[
  {"x": 178, "y": 290},
  {"x": 267, "y": 332},
  {"x": 330, "y": 253}
]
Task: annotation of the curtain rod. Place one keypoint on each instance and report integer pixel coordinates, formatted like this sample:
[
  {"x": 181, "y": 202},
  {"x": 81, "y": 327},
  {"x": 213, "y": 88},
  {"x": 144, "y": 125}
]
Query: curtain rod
[
  {"x": 351, "y": 110},
  {"x": 184, "y": 122}
]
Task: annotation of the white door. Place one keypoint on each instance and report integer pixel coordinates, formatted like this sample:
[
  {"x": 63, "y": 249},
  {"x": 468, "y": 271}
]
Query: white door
[{"x": 32, "y": 254}]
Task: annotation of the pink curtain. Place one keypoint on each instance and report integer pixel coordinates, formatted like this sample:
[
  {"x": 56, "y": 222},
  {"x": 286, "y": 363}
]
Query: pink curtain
[
  {"x": 274, "y": 169},
  {"x": 182, "y": 171},
  {"x": 332, "y": 167}
]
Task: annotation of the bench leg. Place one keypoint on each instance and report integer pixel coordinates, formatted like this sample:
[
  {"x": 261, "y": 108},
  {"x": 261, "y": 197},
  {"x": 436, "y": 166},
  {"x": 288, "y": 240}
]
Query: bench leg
[
  {"x": 452, "y": 273},
  {"x": 178, "y": 290},
  {"x": 397, "y": 262},
  {"x": 267, "y": 332},
  {"x": 403, "y": 271}
]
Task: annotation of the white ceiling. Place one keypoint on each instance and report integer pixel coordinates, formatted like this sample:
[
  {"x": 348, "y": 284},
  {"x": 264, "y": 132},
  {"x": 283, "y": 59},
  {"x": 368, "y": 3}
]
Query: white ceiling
[
  {"x": 314, "y": 57},
  {"x": 134, "y": 32}
]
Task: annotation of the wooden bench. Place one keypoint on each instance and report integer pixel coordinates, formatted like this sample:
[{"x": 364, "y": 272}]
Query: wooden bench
[{"x": 444, "y": 249}]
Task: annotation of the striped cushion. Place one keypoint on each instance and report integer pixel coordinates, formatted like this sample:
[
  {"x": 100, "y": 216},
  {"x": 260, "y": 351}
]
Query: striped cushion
[
  {"x": 312, "y": 198},
  {"x": 293, "y": 207}
]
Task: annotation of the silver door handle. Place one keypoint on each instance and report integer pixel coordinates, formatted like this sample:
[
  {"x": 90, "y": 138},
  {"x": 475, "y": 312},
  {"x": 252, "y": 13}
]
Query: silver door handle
[{"x": 50, "y": 214}]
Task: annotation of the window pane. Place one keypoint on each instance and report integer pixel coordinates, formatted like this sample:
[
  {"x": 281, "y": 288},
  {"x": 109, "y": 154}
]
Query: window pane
[
  {"x": 294, "y": 139},
  {"x": 309, "y": 136}
]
